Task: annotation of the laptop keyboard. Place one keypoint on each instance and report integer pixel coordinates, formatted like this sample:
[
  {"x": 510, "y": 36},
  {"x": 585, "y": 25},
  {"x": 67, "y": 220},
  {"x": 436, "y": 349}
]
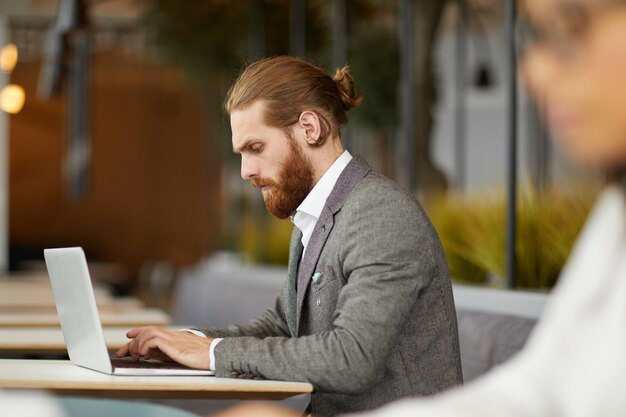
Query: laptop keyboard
[{"x": 143, "y": 364}]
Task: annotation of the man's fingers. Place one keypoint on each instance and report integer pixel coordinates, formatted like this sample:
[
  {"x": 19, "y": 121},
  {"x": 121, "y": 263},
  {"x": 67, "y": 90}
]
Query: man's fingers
[
  {"x": 149, "y": 338},
  {"x": 133, "y": 333},
  {"x": 123, "y": 351},
  {"x": 159, "y": 343},
  {"x": 137, "y": 347}
]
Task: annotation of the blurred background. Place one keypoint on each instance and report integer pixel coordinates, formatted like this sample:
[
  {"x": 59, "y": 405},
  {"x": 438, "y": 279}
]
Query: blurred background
[{"x": 113, "y": 136}]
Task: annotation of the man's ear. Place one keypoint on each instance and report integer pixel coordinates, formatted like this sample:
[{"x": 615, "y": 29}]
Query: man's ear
[{"x": 309, "y": 122}]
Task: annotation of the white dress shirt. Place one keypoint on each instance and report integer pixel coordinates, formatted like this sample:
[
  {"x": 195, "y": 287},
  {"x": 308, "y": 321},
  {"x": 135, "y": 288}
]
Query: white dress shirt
[
  {"x": 309, "y": 211},
  {"x": 574, "y": 363},
  {"x": 305, "y": 218}
]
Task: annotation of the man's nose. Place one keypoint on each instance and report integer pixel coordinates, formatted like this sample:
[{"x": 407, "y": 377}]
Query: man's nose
[{"x": 248, "y": 169}]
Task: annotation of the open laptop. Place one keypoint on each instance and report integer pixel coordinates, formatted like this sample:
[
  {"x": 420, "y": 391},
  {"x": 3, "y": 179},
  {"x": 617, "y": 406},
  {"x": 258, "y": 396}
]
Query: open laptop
[{"x": 82, "y": 329}]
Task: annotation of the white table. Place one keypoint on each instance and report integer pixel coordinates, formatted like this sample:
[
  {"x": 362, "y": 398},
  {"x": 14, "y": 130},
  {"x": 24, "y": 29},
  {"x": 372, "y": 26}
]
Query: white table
[
  {"x": 63, "y": 378},
  {"x": 131, "y": 318},
  {"x": 30, "y": 294}
]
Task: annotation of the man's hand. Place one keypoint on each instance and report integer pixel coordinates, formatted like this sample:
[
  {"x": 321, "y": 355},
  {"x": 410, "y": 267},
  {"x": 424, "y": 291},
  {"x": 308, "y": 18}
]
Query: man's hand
[
  {"x": 258, "y": 410},
  {"x": 167, "y": 345}
]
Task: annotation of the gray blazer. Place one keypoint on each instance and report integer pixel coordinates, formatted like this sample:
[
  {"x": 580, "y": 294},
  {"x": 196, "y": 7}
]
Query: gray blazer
[{"x": 377, "y": 323}]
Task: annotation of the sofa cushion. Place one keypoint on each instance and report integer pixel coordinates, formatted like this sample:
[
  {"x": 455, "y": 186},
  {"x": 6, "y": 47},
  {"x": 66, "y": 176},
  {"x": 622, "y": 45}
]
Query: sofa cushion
[{"x": 488, "y": 339}]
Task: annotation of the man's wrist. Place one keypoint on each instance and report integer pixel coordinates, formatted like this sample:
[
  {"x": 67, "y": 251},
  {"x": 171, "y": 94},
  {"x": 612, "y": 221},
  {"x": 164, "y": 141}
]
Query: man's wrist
[{"x": 214, "y": 343}]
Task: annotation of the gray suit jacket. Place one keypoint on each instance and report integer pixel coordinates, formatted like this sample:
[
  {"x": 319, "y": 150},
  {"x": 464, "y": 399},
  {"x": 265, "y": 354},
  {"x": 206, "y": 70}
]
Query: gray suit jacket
[{"x": 378, "y": 322}]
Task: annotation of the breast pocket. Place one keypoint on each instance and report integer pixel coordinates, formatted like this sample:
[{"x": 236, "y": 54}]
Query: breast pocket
[
  {"x": 323, "y": 300},
  {"x": 323, "y": 280}
]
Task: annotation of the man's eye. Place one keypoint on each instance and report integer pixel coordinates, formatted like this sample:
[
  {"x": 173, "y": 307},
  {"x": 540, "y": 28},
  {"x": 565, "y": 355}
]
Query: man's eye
[{"x": 256, "y": 148}]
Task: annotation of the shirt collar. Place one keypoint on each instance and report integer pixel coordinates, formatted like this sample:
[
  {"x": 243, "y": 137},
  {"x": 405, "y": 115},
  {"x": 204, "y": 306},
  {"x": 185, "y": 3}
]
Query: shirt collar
[{"x": 314, "y": 202}]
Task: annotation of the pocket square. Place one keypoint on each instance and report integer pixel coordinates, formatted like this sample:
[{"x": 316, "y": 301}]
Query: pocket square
[{"x": 316, "y": 276}]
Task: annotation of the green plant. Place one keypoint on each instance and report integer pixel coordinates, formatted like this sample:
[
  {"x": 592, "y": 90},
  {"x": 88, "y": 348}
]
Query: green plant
[
  {"x": 472, "y": 231},
  {"x": 265, "y": 241}
]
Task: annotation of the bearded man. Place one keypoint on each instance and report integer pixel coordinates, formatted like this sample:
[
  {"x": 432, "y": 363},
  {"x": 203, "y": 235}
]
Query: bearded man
[{"x": 366, "y": 314}]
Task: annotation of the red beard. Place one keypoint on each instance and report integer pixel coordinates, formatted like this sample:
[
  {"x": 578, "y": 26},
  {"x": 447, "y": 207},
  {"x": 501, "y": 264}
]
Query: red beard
[{"x": 294, "y": 184}]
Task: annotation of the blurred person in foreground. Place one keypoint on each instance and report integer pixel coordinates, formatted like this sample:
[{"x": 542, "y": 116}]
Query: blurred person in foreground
[
  {"x": 17, "y": 403},
  {"x": 574, "y": 363},
  {"x": 366, "y": 314}
]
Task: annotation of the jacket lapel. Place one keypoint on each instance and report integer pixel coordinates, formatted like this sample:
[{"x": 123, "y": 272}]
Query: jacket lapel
[
  {"x": 351, "y": 175},
  {"x": 311, "y": 256}
]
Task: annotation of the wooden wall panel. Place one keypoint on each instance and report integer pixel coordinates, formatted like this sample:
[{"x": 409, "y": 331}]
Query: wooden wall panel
[{"x": 154, "y": 181}]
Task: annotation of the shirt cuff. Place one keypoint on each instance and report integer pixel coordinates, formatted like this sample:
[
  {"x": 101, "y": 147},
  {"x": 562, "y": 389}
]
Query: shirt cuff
[
  {"x": 194, "y": 331},
  {"x": 214, "y": 343}
]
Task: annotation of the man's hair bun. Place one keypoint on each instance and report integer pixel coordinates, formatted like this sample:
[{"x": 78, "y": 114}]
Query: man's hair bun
[{"x": 345, "y": 85}]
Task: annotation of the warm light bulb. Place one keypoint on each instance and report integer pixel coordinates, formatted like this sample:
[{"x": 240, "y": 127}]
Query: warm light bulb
[
  {"x": 12, "y": 98},
  {"x": 8, "y": 57}
]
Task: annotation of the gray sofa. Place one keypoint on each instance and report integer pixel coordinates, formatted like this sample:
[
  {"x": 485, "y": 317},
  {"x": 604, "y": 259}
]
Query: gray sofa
[{"x": 493, "y": 325}]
